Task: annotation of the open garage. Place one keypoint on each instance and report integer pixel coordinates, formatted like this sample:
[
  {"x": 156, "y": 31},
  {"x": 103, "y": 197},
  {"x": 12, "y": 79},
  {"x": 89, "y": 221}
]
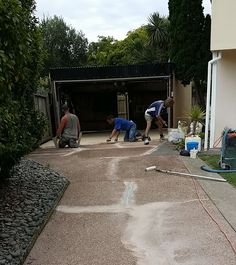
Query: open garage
[{"x": 125, "y": 91}]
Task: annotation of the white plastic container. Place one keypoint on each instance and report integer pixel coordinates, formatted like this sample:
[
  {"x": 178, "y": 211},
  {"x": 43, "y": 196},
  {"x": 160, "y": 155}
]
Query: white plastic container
[
  {"x": 193, "y": 153},
  {"x": 193, "y": 138}
]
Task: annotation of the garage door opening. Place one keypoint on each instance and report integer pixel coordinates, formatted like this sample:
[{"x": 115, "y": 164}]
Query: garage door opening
[{"x": 124, "y": 91}]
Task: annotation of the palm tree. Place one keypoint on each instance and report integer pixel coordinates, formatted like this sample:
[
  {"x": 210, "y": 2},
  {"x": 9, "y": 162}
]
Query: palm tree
[{"x": 158, "y": 31}]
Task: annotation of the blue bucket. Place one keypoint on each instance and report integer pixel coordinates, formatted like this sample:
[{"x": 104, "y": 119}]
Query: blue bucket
[{"x": 192, "y": 145}]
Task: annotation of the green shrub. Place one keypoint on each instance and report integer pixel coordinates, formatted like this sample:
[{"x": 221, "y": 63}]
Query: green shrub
[
  {"x": 20, "y": 132},
  {"x": 180, "y": 145},
  {"x": 21, "y": 126}
]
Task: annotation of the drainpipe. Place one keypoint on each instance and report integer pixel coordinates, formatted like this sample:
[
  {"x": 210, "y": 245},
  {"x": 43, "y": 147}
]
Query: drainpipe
[{"x": 209, "y": 94}]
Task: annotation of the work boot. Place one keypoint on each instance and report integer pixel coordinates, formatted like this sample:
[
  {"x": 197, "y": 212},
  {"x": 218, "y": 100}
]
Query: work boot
[
  {"x": 162, "y": 137},
  {"x": 144, "y": 137}
]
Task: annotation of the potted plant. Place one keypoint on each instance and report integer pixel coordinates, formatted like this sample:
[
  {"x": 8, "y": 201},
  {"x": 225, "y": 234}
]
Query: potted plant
[{"x": 196, "y": 115}]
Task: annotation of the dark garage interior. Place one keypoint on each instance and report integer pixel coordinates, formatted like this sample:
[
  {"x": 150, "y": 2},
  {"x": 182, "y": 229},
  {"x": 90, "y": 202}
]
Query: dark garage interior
[{"x": 125, "y": 93}]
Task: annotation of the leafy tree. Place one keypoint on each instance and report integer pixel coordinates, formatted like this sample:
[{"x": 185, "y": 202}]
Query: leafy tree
[
  {"x": 99, "y": 52},
  {"x": 137, "y": 48},
  {"x": 131, "y": 50},
  {"x": 20, "y": 126},
  {"x": 108, "y": 51},
  {"x": 189, "y": 43},
  {"x": 146, "y": 44},
  {"x": 63, "y": 45}
]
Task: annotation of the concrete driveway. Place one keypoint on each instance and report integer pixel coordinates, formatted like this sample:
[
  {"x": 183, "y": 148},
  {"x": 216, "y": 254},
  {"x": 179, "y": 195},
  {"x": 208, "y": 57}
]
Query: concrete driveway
[{"x": 114, "y": 212}]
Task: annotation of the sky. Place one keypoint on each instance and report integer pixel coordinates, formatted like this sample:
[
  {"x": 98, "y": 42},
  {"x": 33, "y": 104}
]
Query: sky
[{"x": 105, "y": 17}]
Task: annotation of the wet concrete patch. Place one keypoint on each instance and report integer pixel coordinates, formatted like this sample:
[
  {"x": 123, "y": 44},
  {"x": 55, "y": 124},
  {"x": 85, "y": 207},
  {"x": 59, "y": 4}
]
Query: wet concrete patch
[{"x": 112, "y": 152}]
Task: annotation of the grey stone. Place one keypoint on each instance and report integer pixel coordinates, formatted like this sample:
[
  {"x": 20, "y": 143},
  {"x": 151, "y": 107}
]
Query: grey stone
[
  {"x": 9, "y": 257},
  {"x": 7, "y": 219},
  {"x": 4, "y": 236},
  {"x": 16, "y": 253}
]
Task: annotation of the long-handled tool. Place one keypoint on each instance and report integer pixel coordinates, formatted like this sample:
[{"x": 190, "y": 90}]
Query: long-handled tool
[{"x": 183, "y": 174}]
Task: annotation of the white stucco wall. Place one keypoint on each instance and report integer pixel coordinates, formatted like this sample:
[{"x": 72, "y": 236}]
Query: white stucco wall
[
  {"x": 225, "y": 111},
  {"x": 223, "y": 25}
]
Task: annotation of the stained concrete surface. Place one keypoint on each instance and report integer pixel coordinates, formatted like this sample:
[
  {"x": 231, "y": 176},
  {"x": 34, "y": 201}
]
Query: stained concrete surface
[{"x": 114, "y": 212}]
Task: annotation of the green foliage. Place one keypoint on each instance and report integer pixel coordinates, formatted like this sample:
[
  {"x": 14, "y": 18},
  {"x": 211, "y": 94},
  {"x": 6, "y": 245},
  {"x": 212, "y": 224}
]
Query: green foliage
[
  {"x": 63, "y": 45},
  {"x": 180, "y": 144},
  {"x": 136, "y": 48},
  {"x": 158, "y": 31},
  {"x": 196, "y": 114},
  {"x": 18, "y": 32},
  {"x": 99, "y": 52},
  {"x": 43, "y": 85},
  {"x": 20, "y": 61},
  {"x": 20, "y": 131},
  {"x": 213, "y": 162},
  {"x": 201, "y": 135},
  {"x": 190, "y": 43},
  {"x": 146, "y": 48}
]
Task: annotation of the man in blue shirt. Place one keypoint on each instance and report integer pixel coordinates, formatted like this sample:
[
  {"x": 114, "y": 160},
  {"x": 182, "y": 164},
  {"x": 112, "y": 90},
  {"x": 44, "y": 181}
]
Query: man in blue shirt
[
  {"x": 153, "y": 112},
  {"x": 121, "y": 124}
]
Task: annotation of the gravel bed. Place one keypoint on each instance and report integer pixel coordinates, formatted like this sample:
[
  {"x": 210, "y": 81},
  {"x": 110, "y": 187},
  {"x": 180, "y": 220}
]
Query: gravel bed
[{"x": 26, "y": 201}]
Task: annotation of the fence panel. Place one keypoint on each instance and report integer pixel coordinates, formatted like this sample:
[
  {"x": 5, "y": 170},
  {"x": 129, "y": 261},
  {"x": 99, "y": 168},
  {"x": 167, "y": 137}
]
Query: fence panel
[{"x": 42, "y": 104}]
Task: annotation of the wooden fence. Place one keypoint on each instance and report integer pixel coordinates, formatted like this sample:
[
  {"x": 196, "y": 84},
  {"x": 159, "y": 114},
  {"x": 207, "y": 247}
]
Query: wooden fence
[{"x": 42, "y": 104}]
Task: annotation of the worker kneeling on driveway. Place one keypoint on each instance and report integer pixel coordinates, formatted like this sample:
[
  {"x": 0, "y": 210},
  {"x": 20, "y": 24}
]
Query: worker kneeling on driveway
[
  {"x": 69, "y": 130},
  {"x": 121, "y": 124}
]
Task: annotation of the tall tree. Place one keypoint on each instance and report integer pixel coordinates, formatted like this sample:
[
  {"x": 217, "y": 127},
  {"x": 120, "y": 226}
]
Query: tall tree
[
  {"x": 189, "y": 47},
  {"x": 63, "y": 45}
]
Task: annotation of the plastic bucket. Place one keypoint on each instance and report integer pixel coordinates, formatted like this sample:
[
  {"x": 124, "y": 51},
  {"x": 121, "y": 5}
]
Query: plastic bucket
[
  {"x": 193, "y": 153},
  {"x": 192, "y": 145}
]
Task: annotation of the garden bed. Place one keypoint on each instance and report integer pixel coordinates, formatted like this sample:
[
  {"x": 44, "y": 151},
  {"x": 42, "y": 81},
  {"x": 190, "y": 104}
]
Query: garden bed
[{"x": 27, "y": 200}]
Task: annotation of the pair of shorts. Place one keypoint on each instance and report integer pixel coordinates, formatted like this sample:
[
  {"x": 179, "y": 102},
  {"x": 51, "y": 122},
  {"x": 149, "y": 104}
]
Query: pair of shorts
[
  {"x": 63, "y": 142},
  {"x": 148, "y": 117}
]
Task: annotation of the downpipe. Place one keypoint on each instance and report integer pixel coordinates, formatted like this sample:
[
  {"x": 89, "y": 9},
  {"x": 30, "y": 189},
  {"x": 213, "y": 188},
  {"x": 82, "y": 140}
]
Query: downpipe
[{"x": 208, "y": 103}]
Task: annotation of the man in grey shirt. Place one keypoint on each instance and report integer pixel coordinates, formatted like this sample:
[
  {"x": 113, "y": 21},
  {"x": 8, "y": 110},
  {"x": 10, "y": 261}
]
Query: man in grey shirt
[{"x": 69, "y": 129}]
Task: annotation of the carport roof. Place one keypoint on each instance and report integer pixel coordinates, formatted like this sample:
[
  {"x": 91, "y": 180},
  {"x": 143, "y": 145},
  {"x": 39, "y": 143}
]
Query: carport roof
[{"x": 111, "y": 72}]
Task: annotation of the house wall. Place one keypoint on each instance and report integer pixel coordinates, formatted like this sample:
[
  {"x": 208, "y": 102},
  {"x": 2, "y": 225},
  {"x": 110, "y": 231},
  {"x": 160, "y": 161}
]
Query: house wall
[
  {"x": 223, "y": 23},
  {"x": 183, "y": 102},
  {"x": 225, "y": 94}
]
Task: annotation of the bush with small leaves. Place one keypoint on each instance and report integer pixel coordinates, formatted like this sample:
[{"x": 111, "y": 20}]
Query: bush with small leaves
[{"x": 21, "y": 126}]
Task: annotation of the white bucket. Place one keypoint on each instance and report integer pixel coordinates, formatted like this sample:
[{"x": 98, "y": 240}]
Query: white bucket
[
  {"x": 193, "y": 138},
  {"x": 193, "y": 153}
]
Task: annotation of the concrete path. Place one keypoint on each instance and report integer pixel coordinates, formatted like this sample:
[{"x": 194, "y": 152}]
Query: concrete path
[{"x": 114, "y": 212}]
